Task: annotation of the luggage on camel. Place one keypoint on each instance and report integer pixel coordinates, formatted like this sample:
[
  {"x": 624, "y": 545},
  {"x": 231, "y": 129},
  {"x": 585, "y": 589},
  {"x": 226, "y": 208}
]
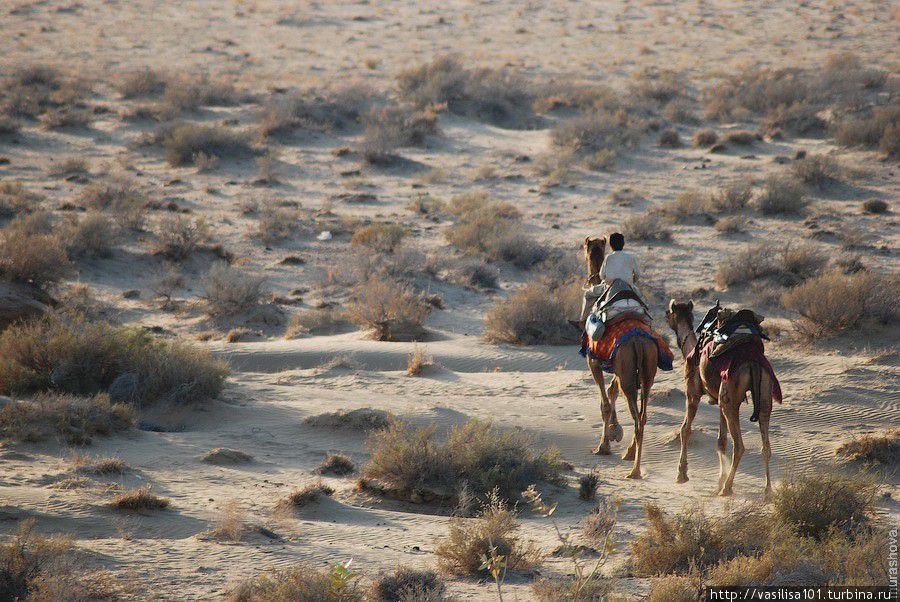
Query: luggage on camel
[{"x": 615, "y": 301}]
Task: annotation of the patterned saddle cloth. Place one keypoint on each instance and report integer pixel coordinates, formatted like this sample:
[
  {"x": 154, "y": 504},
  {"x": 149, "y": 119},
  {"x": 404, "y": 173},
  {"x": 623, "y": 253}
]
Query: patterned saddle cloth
[{"x": 617, "y": 333}]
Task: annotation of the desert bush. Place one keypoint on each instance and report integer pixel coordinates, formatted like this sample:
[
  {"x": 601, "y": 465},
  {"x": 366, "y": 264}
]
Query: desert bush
[
  {"x": 276, "y": 223},
  {"x": 83, "y": 357},
  {"x": 393, "y": 310},
  {"x": 141, "y": 82},
  {"x": 835, "y": 302},
  {"x": 304, "y": 496},
  {"x": 689, "y": 203},
  {"x": 732, "y": 224},
  {"x": 121, "y": 196},
  {"x": 475, "y": 456},
  {"x": 418, "y": 361},
  {"x": 393, "y": 127},
  {"x": 475, "y": 273},
  {"x": 663, "y": 86},
  {"x": 680, "y": 110},
  {"x": 875, "y": 206},
  {"x": 139, "y": 499},
  {"x": 92, "y": 236},
  {"x": 818, "y": 171},
  {"x": 879, "y": 128},
  {"x": 800, "y": 118},
  {"x": 691, "y": 539},
  {"x": 407, "y": 585},
  {"x": 493, "y": 230},
  {"x": 741, "y": 138},
  {"x": 317, "y": 110},
  {"x": 179, "y": 236},
  {"x": 184, "y": 142},
  {"x": 670, "y": 139},
  {"x": 15, "y": 199},
  {"x": 76, "y": 420},
  {"x": 68, "y": 168},
  {"x": 300, "y": 582},
  {"x": 492, "y": 534},
  {"x": 107, "y": 465},
  {"x": 649, "y": 226},
  {"x": 595, "y": 132},
  {"x": 380, "y": 237},
  {"x": 814, "y": 503},
  {"x": 229, "y": 291},
  {"x": 587, "y": 486},
  {"x": 789, "y": 265},
  {"x": 781, "y": 194},
  {"x": 734, "y": 196},
  {"x": 876, "y": 448},
  {"x": 533, "y": 315},
  {"x": 314, "y": 321},
  {"x": 336, "y": 464},
  {"x": 496, "y": 96},
  {"x": 230, "y": 524},
  {"x": 31, "y": 91},
  {"x": 37, "y": 259},
  {"x": 706, "y": 137},
  {"x": 674, "y": 588},
  {"x": 187, "y": 92},
  {"x": 362, "y": 419}
]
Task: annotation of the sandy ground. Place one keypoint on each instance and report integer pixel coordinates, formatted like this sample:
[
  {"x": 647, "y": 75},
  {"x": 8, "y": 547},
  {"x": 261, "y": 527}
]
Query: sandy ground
[{"x": 833, "y": 390}]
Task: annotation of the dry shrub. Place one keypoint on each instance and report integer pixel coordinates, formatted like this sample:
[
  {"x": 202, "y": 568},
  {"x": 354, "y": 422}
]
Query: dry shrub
[
  {"x": 670, "y": 139},
  {"x": 818, "y": 171},
  {"x": 179, "y": 236},
  {"x": 800, "y": 118},
  {"x": 93, "y": 236},
  {"x": 336, "y": 464},
  {"x": 276, "y": 223},
  {"x": 418, "y": 361},
  {"x": 475, "y": 456},
  {"x": 492, "y": 229},
  {"x": 300, "y": 582},
  {"x": 141, "y": 82},
  {"x": 304, "y": 496},
  {"x": 393, "y": 127},
  {"x": 230, "y": 291},
  {"x": 662, "y": 86},
  {"x": 121, "y": 196},
  {"x": 756, "y": 92},
  {"x": 393, "y": 310},
  {"x": 648, "y": 226},
  {"x": 496, "y": 96},
  {"x": 730, "y": 225},
  {"x": 104, "y": 465},
  {"x": 587, "y": 486},
  {"x": 680, "y": 110},
  {"x": 407, "y": 585},
  {"x": 74, "y": 419},
  {"x": 84, "y": 357},
  {"x": 314, "y": 321},
  {"x": 879, "y": 128},
  {"x": 230, "y": 524},
  {"x": 789, "y": 265},
  {"x": 706, "y": 137},
  {"x": 37, "y": 259},
  {"x": 491, "y": 534},
  {"x": 691, "y": 539},
  {"x": 875, "y": 206},
  {"x": 184, "y": 142},
  {"x": 741, "y": 138},
  {"x": 533, "y": 315},
  {"x": 835, "y": 302},
  {"x": 877, "y": 448},
  {"x": 595, "y": 132},
  {"x": 475, "y": 273},
  {"x": 15, "y": 199},
  {"x": 185, "y": 92},
  {"x": 317, "y": 110},
  {"x": 813, "y": 504},
  {"x": 674, "y": 588},
  {"x": 733, "y": 197},
  {"x": 362, "y": 419},
  {"x": 32, "y": 91},
  {"x": 139, "y": 499},
  {"x": 383, "y": 238},
  {"x": 782, "y": 194},
  {"x": 69, "y": 167}
]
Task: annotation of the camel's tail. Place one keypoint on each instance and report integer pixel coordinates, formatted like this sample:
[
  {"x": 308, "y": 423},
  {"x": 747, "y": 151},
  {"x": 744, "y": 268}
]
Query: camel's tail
[{"x": 755, "y": 389}]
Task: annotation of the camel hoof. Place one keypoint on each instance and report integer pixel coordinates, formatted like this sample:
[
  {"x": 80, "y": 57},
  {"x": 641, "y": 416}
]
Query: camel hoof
[
  {"x": 681, "y": 478},
  {"x": 634, "y": 474},
  {"x": 615, "y": 432},
  {"x": 767, "y": 495},
  {"x": 725, "y": 493},
  {"x": 602, "y": 450}
]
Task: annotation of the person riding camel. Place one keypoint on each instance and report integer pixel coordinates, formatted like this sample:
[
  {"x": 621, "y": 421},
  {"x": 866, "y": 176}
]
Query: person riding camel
[{"x": 618, "y": 265}]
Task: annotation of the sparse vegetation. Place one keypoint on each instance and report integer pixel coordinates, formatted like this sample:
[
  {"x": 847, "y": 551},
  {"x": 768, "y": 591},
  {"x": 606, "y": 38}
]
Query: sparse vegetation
[
  {"x": 230, "y": 291},
  {"x": 317, "y": 110},
  {"x": 741, "y": 138},
  {"x": 314, "y": 322},
  {"x": 407, "y": 585},
  {"x": 836, "y": 302},
  {"x": 121, "y": 196},
  {"x": 276, "y": 223},
  {"x": 362, "y": 419},
  {"x": 139, "y": 499},
  {"x": 225, "y": 456},
  {"x": 813, "y": 504},
  {"x": 338, "y": 465},
  {"x": 782, "y": 194},
  {"x": 732, "y": 224},
  {"x": 300, "y": 582},
  {"x": 393, "y": 127},
  {"x": 179, "y": 236},
  {"x": 705, "y": 137},
  {"x": 879, "y": 128},
  {"x": 37, "y": 259},
  {"x": 410, "y": 460},
  {"x": 670, "y": 139},
  {"x": 76, "y": 420},
  {"x": 876, "y": 448},
  {"x": 391, "y": 309},
  {"x": 184, "y": 142},
  {"x": 587, "y": 486},
  {"x": 104, "y": 466},
  {"x": 304, "y": 496},
  {"x": 595, "y": 132},
  {"x": 818, "y": 171},
  {"x": 875, "y": 206},
  {"x": 418, "y": 361},
  {"x": 93, "y": 236},
  {"x": 380, "y": 237},
  {"x": 16, "y": 200},
  {"x": 649, "y": 226},
  {"x": 534, "y": 315},
  {"x": 789, "y": 265}
]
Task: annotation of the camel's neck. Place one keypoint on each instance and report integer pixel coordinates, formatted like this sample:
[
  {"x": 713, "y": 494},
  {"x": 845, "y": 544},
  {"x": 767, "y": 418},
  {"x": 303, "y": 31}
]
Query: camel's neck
[{"x": 686, "y": 338}]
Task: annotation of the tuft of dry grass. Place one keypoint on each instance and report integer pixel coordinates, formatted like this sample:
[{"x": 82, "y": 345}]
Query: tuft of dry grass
[
  {"x": 336, "y": 464},
  {"x": 37, "y": 259},
  {"x": 782, "y": 194},
  {"x": 104, "y": 465},
  {"x": 276, "y": 223},
  {"x": 304, "y": 496},
  {"x": 706, "y": 137},
  {"x": 418, "y": 361},
  {"x": 407, "y": 585},
  {"x": 121, "y": 196},
  {"x": 675, "y": 588},
  {"x": 185, "y": 142},
  {"x": 877, "y": 448},
  {"x": 178, "y": 236},
  {"x": 534, "y": 315},
  {"x": 732, "y": 224},
  {"x": 230, "y": 524},
  {"x": 317, "y": 110},
  {"x": 789, "y": 265},
  {"x": 835, "y": 302},
  {"x": 741, "y": 138},
  {"x": 362, "y": 419},
  {"x": 391, "y": 309},
  {"x": 16, "y": 200},
  {"x": 491, "y": 534},
  {"x": 815, "y": 503},
  {"x": 648, "y": 226},
  {"x": 141, "y": 83},
  {"x": 595, "y": 132},
  {"x": 300, "y": 582},
  {"x": 476, "y": 456},
  {"x": 139, "y": 499},
  {"x": 670, "y": 139},
  {"x": 314, "y": 322},
  {"x": 818, "y": 171},
  {"x": 879, "y": 128},
  {"x": 74, "y": 419},
  {"x": 70, "y": 167},
  {"x": 381, "y": 237},
  {"x": 230, "y": 291},
  {"x": 875, "y": 206},
  {"x": 587, "y": 486},
  {"x": 393, "y": 127},
  {"x": 93, "y": 236}
]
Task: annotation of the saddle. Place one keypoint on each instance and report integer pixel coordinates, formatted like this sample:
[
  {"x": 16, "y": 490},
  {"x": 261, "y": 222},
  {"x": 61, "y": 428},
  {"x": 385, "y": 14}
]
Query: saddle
[
  {"x": 618, "y": 301},
  {"x": 728, "y": 329}
]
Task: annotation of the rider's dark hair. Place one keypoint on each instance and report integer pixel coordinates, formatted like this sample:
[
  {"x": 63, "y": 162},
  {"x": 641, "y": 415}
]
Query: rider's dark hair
[{"x": 616, "y": 241}]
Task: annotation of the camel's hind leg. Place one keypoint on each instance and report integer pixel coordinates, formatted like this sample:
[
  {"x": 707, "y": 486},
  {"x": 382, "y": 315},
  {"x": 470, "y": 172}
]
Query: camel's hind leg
[
  {"x": 607, "y": 411},
  {"x": 721, "y": 444},
  {"x": 690, "y": 411},
  {"x": 730, "y": 403},
  {"x": 766, "y": 447},
  {"x": 646, "y": 374}
]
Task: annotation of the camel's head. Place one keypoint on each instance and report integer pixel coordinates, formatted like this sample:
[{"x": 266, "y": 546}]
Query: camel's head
[
  {"x": 680, "y": 313},
  {"x": 594, "y": 252}
]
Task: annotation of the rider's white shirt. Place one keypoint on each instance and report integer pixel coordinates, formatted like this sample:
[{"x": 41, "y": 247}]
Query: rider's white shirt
[{"x": 620, "y": 264}]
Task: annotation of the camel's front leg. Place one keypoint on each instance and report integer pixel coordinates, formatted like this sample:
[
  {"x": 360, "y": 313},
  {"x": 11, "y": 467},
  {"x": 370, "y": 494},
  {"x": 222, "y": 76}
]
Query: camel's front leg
[
  {"x": 690, "y": 411},
  {"x": 607, "y": 411}
]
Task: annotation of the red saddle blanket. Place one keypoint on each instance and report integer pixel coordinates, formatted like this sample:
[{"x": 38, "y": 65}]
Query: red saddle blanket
[
  {"x": 617, "y": 333},
  {"x": 728, "y": 363}
]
